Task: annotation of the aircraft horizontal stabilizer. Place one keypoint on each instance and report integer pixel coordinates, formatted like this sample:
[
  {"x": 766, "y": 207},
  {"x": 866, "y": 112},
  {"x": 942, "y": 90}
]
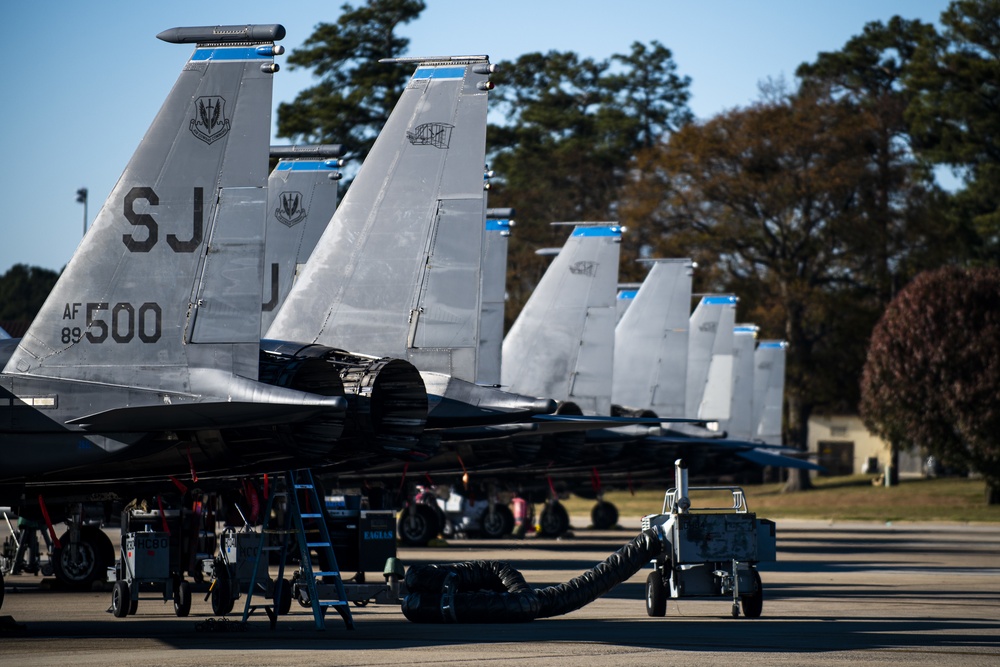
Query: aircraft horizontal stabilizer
[
  {"x": 764, "y": 457},
  {"x": 189, "y": 416}
]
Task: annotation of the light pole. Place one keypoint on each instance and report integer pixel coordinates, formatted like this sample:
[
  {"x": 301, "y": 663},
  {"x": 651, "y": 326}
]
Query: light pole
[{"x": 81, "y": 198}]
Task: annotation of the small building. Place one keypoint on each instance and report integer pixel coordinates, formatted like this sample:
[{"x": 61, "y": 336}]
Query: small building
[{"x": 846, "y": 447}]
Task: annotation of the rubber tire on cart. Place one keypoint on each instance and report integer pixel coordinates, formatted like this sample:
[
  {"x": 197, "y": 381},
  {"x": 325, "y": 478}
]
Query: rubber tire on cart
[
  {"x": 282, "y": 596},
  {"x": 604, "y": 515},
  {"x": 554, "y": 520},
  {"x": 120, "y": 600},
  {"x": 656, "y": 595},
  {"x": 498, "y": 523},
  {"x": 418, "y": 525},
  {"x": 753, "y": 605},
  {"x": 94, "y": 553},
  {"x": 182, "y": 599},
  {"x": 222, "y": 596}
]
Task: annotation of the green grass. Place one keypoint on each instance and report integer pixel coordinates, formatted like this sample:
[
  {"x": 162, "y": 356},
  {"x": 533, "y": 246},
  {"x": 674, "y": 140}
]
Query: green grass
[{"x": 834, "y": 498}]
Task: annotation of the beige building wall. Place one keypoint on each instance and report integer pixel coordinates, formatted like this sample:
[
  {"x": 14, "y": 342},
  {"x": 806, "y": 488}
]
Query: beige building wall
[{"x": 845, "y": 446}]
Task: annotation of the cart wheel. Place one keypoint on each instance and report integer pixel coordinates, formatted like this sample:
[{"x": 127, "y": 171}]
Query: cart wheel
[
  {"x": 656, "y": 595},
  {"x": 360, "y": 603},
  {"x": 283, "y": 596},
  {"x": 182, "y": 599},
  {"x": 222, "y": 597},
  {"x": 133, "y": 606},
  {"x": 753, "y": 605},
  {"x": 120, "y": 599}
]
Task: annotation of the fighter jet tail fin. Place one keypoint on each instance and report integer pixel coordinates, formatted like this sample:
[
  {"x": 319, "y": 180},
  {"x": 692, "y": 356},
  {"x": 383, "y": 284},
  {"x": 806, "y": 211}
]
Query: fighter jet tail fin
[
  {"x": 562, "y": 343},
  {"x": 301, "y": 199},
  {"x": 710, "y": 358},
  {"x": 171, "y": 268},
  {"x": 398, "y": 268},
  {"x": 651, "y": 341}
]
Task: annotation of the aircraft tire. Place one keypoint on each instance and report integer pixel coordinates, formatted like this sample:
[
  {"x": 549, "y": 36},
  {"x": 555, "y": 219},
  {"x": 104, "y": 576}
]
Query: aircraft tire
[
  {"x": 120, "y": 600},
  {"x": 554, "y": 520},
  {"x": 753, "y": 604},
  {"x": 418, "y": 525},
  {"x": 656, "y": 595},
  {"x": 1, "y": 590},
  {"x": 604, "y": 515},
  {"x": 92, "y": 556},
  {"x": 498, "y": 523}
]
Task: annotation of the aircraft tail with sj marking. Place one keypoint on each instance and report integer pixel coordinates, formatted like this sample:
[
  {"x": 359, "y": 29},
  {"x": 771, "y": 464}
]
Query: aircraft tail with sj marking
[{"x": 149, "y": 330}]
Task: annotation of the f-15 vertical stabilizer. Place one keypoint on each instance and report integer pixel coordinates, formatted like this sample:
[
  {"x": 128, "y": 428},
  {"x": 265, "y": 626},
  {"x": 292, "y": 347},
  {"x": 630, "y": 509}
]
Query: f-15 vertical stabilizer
[
  {"x": 710, "y": 358},
  {"x": 739, "y": 426},
  {"x": 158, "y": 302},
  {"x": 498, "y": 224},
  {"x": 561, "y": 345},
  {"x": 769, "y": 390},
  {"x": 143, "y": 286},
  {"x": 301, "y": 199},
  {"x": 651, "y": 342},
  {"x": 421, "y": 186}
]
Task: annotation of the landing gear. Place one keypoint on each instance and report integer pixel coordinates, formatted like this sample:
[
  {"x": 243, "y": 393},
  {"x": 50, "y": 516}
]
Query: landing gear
[
  {"x": 554, "y": 520},
  {"x": 498, "y": 522},
  {"x": 604, "y": 515},
  {"x": 78, "y": 564},
  {"x": 418, "y": 525}
]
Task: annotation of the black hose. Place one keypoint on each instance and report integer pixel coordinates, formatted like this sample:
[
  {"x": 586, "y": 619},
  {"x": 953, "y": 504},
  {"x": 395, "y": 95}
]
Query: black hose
[{"x": 494, "y": 592}]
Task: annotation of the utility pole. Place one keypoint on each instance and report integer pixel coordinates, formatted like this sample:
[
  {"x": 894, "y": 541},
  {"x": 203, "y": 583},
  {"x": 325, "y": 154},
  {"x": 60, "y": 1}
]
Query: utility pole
[{"x": 81, "y": 198}]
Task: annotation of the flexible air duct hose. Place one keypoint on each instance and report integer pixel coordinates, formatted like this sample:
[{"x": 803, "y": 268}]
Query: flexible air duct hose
[{"x": 494, "y": 592}]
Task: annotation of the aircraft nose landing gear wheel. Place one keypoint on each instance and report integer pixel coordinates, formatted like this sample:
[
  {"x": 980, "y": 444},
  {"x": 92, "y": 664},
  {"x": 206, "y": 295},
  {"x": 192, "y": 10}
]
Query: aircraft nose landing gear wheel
[
  {"x": 554, "y": 520},
  {"x": 418, "y": 525},
  {"x": 498, "y": 523},
  {"x": 77, "y": 565}
]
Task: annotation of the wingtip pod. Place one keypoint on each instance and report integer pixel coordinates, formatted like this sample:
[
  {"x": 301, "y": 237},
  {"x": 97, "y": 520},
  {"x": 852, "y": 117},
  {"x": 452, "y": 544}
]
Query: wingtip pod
[{"x": 223, "y": 34}]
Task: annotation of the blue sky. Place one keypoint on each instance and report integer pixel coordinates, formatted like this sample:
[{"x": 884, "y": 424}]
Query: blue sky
[{"x": 84, "y": 79}]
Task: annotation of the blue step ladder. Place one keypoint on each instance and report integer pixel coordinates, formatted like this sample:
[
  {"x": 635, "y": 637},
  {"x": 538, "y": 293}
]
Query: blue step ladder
[{"x": 305, "y": 517}]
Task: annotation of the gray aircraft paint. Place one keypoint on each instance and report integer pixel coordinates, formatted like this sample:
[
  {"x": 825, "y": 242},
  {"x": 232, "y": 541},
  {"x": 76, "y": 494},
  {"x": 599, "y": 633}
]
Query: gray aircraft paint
[
  {"x": 769, "y": 390},
  {"x": 364, "y": 288},
  {"x": 623, "y": 301},
  {"x": 710, "y": 358},
  {"x": 560, "y": 346},
  {"x": 740, "y": 425},
  {"x": 493, "y": 299},
  {"x": 651, "y": 342},
  {"x": 148, "y": 326},
  {"x": 301, "y": 199}
]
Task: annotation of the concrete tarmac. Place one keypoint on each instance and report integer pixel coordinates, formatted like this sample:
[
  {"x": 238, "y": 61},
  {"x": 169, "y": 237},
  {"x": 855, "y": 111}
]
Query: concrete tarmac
[{"x": 843, "y": 593}]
